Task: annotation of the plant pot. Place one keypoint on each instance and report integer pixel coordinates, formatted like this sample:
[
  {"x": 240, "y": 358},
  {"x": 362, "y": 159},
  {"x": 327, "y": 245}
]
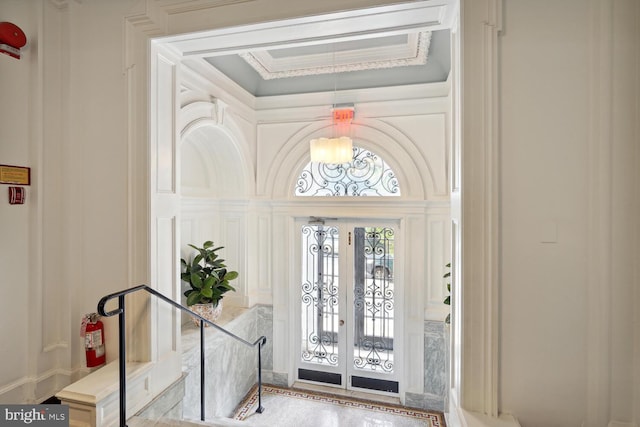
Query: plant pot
[{"x": 208, "y": 311}]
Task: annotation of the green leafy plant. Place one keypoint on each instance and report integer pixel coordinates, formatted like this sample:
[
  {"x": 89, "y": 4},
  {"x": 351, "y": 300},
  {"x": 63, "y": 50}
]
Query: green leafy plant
[
  {"x": 447, "y": 300},
  {"x": 207, "y": 275}
]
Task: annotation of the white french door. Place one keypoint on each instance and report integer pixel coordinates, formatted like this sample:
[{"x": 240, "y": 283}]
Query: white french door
[{"x": 348, "y": 305}]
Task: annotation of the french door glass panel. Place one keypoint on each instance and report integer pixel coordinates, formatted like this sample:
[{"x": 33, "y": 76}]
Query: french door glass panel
[
  {"x": 320, "y": 295},
  {"x": 347, "y": 300},
  {"x": 373, "y": 303}
]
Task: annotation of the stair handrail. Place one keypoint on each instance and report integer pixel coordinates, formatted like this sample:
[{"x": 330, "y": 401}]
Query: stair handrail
[{"x": 120, "y": 311}]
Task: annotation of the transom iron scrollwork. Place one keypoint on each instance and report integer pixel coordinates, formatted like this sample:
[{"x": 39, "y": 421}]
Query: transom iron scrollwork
[
  {"x": 320, "y": 295},
  {"x": 373, "y": 302},
  {"x": 366, "y": 175}
]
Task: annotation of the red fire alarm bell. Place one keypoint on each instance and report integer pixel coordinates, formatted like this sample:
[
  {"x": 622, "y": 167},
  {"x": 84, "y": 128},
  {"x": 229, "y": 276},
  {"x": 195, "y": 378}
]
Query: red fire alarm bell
[{"x": 12, "y": 38}]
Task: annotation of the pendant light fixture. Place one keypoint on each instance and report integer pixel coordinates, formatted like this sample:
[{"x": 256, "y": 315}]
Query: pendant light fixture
[
  {"x": 337, "y": 149},
  {"x": 331, "y": 150}
]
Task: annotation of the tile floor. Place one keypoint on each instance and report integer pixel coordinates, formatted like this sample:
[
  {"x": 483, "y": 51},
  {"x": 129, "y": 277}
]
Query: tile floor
[
  {"x": 283, "y": 410},
  {"x": 287, "y": 410}
]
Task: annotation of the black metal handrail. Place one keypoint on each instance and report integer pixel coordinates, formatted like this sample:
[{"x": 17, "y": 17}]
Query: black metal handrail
[{"x": 120, "y": 311}]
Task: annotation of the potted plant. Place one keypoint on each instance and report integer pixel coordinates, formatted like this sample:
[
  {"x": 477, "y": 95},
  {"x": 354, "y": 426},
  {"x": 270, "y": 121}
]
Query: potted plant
[
  {"x": 447, "y": 300},
  {"x": 209, "y": 279}
]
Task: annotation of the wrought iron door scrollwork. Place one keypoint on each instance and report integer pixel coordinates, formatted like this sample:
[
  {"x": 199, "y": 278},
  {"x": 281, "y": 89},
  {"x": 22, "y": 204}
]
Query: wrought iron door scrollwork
[
  {"x": 373, "y": 304},
  {"x": 320, "y": 295}
]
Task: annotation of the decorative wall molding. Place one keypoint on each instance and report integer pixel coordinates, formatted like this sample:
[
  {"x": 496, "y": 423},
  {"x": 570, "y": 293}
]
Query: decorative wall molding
[
  {"x": 438, "y": 229},
  {"x": 60, "y": 345},
  {"x": 414, "y": 52},
  {"x": 60, "y": 4},
  {"x": 211, "y": 112},
  {"x": 219, "y": 108},
  {"x": 63, "y": 4},
  {"x": 212, "y": 126},
  {"x": 482, "y": 22},
  {"x": 201, "y": 78},
  {"x": 193, "y": 113},
  {"x": 199, "y": 5},
  {"x": 599, "y": 215},
  {"x": 400, "y": 140},
  {"x": 45, "y": 384},
  {"x": 425, "y": 95},
  {"x": 391, "y": 144},
  {"x": 11, "y": 387}
]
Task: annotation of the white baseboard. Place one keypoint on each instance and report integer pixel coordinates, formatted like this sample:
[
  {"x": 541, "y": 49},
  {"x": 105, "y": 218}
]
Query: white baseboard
[
  {"x": 621, "y": 424},
  {"x": 35, "y": 389},
  {"x": 458, "y": 417},
  {"x": 474, "y": 419}
]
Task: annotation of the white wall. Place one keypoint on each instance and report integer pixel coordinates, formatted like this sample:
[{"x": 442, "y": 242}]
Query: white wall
[
  {"x": 625, "y": 203},
  {"x": 95, "y": 188},
  {"x": 544, "y": 113},
  {"x": 15, "y": 149},
  {"x": 567, "y": 145},
  {"x": 64, "y": 116}
]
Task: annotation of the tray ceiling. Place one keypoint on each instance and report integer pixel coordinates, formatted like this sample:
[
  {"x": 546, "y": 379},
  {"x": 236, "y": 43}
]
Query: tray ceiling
[
  {"x": 382, "y": 46},
  {"x": 399, "y": 59}
]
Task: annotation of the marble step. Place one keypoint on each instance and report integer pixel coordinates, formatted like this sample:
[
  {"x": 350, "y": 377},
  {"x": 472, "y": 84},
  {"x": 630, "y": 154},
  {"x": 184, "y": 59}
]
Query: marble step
[{"x": 168, "y": 422}]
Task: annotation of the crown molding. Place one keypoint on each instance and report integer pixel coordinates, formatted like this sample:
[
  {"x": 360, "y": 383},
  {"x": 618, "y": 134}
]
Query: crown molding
[{"x": 413, "y": 52}]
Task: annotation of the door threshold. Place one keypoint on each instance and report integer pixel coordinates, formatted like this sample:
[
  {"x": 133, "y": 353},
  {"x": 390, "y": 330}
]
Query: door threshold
[{"x": 347, "y": 393}]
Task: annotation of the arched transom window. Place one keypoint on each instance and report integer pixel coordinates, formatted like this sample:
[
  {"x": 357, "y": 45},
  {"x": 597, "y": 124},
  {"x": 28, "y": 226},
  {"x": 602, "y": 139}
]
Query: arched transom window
[{"x": 366, "y": 175}]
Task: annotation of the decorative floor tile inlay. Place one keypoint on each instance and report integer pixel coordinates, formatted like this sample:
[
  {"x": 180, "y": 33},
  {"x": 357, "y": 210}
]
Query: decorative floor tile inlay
[{"x": 411, "y": 416}]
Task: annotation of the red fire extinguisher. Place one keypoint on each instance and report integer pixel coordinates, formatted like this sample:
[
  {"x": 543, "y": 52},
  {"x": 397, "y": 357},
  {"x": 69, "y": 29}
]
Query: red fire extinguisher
[{"x": 93, "y": 333}]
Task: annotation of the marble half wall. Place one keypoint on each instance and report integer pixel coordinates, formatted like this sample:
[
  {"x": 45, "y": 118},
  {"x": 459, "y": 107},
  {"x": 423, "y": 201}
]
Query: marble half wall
[
  {"x": 231, "y": 367},
  {"x": 436, "y": 369}
]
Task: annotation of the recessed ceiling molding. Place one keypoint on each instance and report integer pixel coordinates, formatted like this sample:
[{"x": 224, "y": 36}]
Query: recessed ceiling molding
[
  {"x": 407, "y": 49},
  {"x": 413, "y": 52}
]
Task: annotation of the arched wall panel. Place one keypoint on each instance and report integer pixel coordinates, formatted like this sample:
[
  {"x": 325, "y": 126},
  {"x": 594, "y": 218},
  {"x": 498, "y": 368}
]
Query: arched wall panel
[{"x": 422, "y": 174}]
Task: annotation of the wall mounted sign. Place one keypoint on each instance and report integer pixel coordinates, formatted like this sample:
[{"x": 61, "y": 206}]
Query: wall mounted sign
[{"x": 15, "y": 175}]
